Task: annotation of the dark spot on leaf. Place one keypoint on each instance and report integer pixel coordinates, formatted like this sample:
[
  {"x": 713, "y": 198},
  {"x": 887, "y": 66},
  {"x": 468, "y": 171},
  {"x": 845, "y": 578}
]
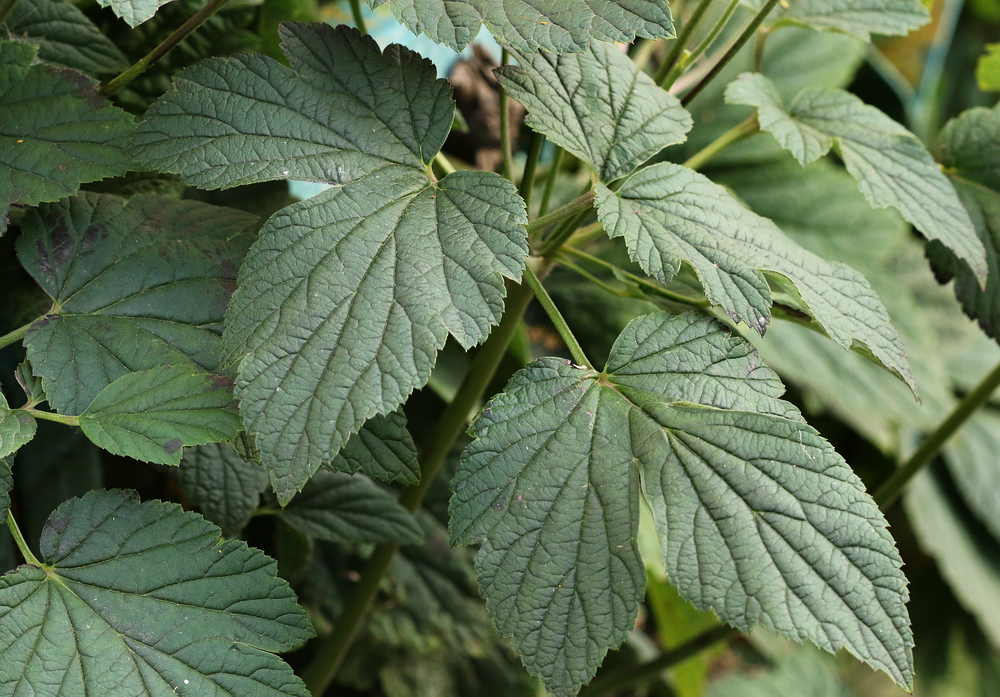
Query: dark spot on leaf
[
  {"x": 221, "y": 382},
  {"x": 172, "y": 446}
]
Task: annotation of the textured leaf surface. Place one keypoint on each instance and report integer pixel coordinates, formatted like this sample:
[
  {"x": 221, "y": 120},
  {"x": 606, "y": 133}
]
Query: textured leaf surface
[
  {"x": 970, "y": 146},
  {"x": 16, "y": 428},
  {"x": 669, "y": 214},
  {"x": 597, "y": 105},
  {"x": 152, "y": 414},
  {"x": 224, "y": 486},
  {"x": 892, "y": 166},
  {"x": 56, "y": 132},
  {"x": 760, "y": 520},
  {"x": 65, "y": 37},
  {"x": 858, "y": 17},
  {"x": 382, "y": 449},
  {"x": 135, "y": 284},
  {"x": 145, "y": 599},
  {"x": 134, "y": 12},
  {"x": 346, "y": 298},
  {"x": 531, "y": 25},
  {"x": 345, "y": 509}
]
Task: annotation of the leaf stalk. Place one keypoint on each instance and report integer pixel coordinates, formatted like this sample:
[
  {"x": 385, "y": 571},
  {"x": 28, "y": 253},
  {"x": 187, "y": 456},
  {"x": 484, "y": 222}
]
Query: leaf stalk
[
  {"x": 580, "y": 204},
  {"x": 507, "y": 166},
  {"x": 558, "y": 321},
  {"x": 681, "y": 41},
  {"x": 530, "y": 168},
  {"x": 735, "y": 134},
  {"x": 16, "y": 335},
  {"x": 890, "y": 490},
  {"x": 550, "y": 181},
  {"x": 6, "y": 7},
  {"x": 165, "y": 46},
  {"x": 57, "y": 418},
  {"x": 19, "y": 540},
  {"x": 359, "y": 17}
]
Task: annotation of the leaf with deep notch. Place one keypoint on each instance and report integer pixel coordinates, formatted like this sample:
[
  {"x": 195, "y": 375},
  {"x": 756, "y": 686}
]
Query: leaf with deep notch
[
  {"x": 152, "y": 414},
  {"x": 346, "y": 298},
  {"x": 668, "y": 215},
  {"x": 892, "y": 167},
  {"x": 598, "y": 105},
  {"x": 145, "y": 599},
  {"x": 56, "y": 132},
  {"x": 759, "y": 519},
  {"x": 135, "y": 284},
  {"x": 532, "y": 25}
]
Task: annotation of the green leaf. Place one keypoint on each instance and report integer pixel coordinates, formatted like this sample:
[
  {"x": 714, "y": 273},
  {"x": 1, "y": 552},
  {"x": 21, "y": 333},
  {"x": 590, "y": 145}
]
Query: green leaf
[
  {"x": 345, "y": 509},
  {"x": 134, "y": 12},
  {"x": 66, "y": 37},
  {"x": 967, "y": 556},
  {"x": 57, "y": 131},
  {"x": 988, "y": 69},
  {"x": 531, "y": 25},
  {"x": 152, "y": 414},
  {"x": 222, "y": 484},
  {"x": 892, "y": 166},
  {"x": 669, "y": 214},
  {"x": 145, "y": 599},
  {"x": 969, "y": 146},
  {"x": 858, "y": 17},
  {"x": 803, "y": 673},
  {"x": 382, "y": 449},
  {"x": 598, "y": 105},
  {"x": 760, "y": 520},
  {"x": 135, "y": 284},
  {"x": 6, "y": 484},
  {"x": 17, "y": 427},
  {"x": 322, "y": 340}
]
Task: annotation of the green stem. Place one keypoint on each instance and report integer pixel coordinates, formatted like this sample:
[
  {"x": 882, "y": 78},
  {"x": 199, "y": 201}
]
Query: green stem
[
  {"x": 583, "y": 273},
  {"x": 681, "y": 41},
  {"x": 16, "y": 335},
  {"x": 442, "y": 161},
  {"x": 507, "y": 166},
  {"x": 359, "y": 18},
  {"x": 733, "y": 135},
  {"x": 887, "y": 493},
  {"x": 558, "y": 321},
  {"x": 581, "y": 204},
  {"x": 643, "y": 283},
  {"x": 731, "y": 53},
  {"x": 6, "y": 7},
  {"x": 331, "y": 651},
  {"x": 181, "y": 33},
  {"x": 550, "y": 181},
  {"x": 714, "y": 33},
  {"x": 58, "y": 418},
  {"x": 624, "y": 679},
  {"x": 15, "y": 532},
  {"x": 530, "y": 168}
]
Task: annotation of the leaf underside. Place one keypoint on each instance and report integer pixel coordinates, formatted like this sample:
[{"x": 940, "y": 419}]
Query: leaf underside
[
  {"x": 892, "y": 167},
  {"x": 346, "y": 298},
  {"x": 861, "y": 18},
  {"x": 759, "y": 519},
  {"x": 134, "y": 12},
  {"x": 532, "y": 25},
  {"x": 145, "y": 599}
]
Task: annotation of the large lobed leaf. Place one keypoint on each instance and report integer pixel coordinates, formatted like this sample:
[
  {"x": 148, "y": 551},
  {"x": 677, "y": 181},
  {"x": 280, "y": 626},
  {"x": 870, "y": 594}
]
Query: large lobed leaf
[
  {"x": 892, "y": 166},
  {"x": 532, "y": 25},
  {"x": 345, "y": 299},
  {"x": 135, "y": 284},
  {"x": 598, "y": 105},
  {"x": 56, "y": 132},
  {"x": 145, "y": 599},
  {"x": 858, "y": 17},
  {"x": 759, "y": 519},
  {"x": 669, "y": 214}
]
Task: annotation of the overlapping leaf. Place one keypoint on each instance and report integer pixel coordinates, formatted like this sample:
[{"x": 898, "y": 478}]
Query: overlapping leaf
[
  {"x": 65, "y": 37},
  {"x": 760, "y": 520},
  {"x": 892, "y": 166},
  {"x": 56, "y": 132},
  {"x": 224, "y": 486},
  {"x": 531, "y": 25},
  {"x": 346, "y": 298},
  {"x": 134, "y": 12},
  {"x": 152, "y": 415},
  {"x": 970, "y": 146},
  {"x": 669, "y": 214},
  {"x": 803, "y": 673},
  {"x": 382, "y": 449},
  {"x": 340, "y": 508},
  {"x": 598, "y": 105},
  {"x": 145, "y": 599},
  {"x": 135, "y": 284},
  {"x": 17, "y": 427},
  {"x": 858, "y": 17}
]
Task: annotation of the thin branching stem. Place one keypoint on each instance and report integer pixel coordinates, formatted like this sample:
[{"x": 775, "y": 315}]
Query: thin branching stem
[
  {"x": 165, "y": 46},
  {"x": 681, "y": 41},
  {"x": 581, "y": 204},
  {"x": 506, "y": 164},
  {"x": 19, "y": 540},
  {"x": 735, "y": 134},
  {"x": 52, "y": 416},
  {"x": 645, "y": 284},
  {"x": 747, "y": 34},
  {"x": 359, "y": 17},
  {"x": 550, "y": 181},
  {"x": 6, "y": 7},
  {"x": 890, "y": 490},
  {"x": 558, "y": 321},
  {"x": 530, "y": 168}
]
